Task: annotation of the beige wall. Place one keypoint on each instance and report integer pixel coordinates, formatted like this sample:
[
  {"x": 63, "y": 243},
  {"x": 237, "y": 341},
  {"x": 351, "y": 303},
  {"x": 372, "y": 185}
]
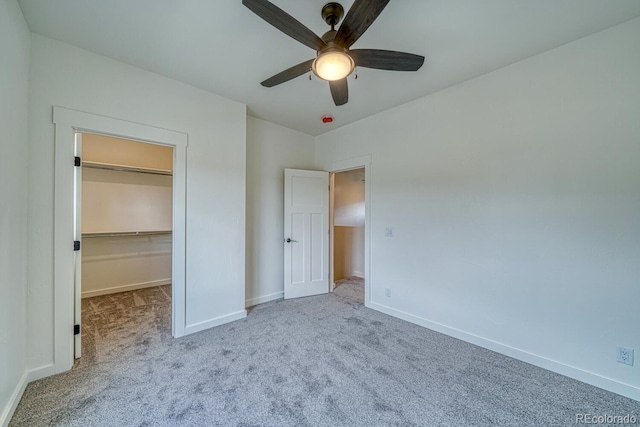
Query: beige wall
[
  {"x": 114, "y": 151},
  {"x": 348, "y": 220},
  {"x": 348, "y": 252},
  {"x": 348, "y": 208},
  {"x": 116, "y": 201}
]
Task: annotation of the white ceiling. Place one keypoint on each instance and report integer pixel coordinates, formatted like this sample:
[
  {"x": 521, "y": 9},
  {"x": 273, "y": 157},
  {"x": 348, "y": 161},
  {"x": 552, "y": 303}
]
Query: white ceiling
[{"x": 222, "y": 47}]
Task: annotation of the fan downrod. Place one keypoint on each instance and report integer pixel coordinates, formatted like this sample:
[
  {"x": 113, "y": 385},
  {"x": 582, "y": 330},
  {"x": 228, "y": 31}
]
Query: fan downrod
[{"x": 332, "y": 13}]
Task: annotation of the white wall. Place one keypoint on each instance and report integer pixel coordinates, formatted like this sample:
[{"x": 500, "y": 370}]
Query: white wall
[
  {"x": 14, "y": 94},
  {"x": 515, "y": 204},
  {"x": 74, "y": 78},
  {"x": 270, "y": 149}
]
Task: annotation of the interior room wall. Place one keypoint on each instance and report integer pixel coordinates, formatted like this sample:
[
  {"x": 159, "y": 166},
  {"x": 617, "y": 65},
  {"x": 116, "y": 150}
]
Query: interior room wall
[
  {"x": 14, "y": 154},
  {"x": 73, "y": 78},
  {"x": 270, "y": 149},
  {"x": 514, "y": 200}
]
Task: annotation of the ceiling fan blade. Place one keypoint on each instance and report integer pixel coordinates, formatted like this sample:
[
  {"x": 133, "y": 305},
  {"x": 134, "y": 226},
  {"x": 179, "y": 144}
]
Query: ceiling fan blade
[
  {"x": 358, "y": 19},
  {"x": 386, "y": 59},
  {"x": 285, "y": 23},
  {"x": 288, "y": 74},
  {"x": 339, "y": 91}
]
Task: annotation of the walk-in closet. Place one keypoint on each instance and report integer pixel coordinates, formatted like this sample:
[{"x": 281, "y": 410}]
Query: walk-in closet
[{"x": 126, "y": 260}]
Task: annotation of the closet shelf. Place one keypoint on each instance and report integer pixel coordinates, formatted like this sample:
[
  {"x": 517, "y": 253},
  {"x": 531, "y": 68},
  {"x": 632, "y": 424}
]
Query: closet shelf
[
  {"x": 124, "y": 168},
  {"x": 126, "y": 233}
]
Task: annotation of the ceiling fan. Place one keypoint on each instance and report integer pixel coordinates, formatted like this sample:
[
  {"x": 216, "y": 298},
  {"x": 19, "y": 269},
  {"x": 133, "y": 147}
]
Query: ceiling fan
[{"x": 335, "y": 61}]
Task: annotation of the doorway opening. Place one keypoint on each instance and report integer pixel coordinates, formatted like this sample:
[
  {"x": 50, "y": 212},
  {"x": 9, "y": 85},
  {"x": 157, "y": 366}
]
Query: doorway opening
[
  {"x": 348, "y": 215},
  {"x": 68, "y": 124},
  {"x": 123, "y": 219}
]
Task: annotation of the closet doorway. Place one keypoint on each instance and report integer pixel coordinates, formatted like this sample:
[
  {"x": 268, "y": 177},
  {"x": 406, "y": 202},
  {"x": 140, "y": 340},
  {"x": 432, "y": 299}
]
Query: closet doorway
[
  {"x": 124, "y": 216},
  {"x": 348, "y": 231}
]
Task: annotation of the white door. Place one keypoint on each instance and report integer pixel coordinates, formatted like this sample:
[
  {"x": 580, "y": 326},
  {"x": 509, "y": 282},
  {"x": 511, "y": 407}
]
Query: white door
[
  {"x": 77, "y": 236},
  {"x": 306, "y": 233}
]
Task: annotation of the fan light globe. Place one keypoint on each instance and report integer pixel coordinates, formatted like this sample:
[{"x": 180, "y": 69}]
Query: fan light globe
[{"x": 333, "y": 65}]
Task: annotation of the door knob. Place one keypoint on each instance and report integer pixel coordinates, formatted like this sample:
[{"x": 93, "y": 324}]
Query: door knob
[{"x": 290, "y": 240}]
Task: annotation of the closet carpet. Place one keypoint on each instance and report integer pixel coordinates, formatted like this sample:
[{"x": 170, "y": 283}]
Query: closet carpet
[{"x": 317, "y": 361}]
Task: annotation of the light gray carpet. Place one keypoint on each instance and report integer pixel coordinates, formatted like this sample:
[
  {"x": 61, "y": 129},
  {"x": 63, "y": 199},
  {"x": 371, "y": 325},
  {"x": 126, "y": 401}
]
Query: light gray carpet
[
  {"x": 318, "y": 361},
  {"x": 351, "y": 288}
]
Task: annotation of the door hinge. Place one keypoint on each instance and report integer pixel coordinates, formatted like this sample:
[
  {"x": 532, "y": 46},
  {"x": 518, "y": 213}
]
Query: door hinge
[
  {"x": 77, "y": 161},
  {"x": 76, "y": 245},
  {"x": 76, "y": 329}
]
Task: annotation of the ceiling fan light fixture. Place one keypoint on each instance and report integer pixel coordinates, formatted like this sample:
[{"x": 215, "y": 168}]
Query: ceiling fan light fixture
[
  {"x": 334, "y": 61},
  {"x": 333, "y": 64}
]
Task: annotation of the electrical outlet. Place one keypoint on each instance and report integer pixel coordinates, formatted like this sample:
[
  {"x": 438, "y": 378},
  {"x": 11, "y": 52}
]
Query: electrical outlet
[
  {"x": 388, "y": 232},
  {"x": 387, "y": 292},
  {"x": 624, "y": 355}
]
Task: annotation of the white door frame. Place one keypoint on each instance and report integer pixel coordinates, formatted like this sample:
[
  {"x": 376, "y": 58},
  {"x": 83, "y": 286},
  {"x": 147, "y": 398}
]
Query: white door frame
[
  {"x": 342, "y": 166},
  {"x": 77, "y": 235},
  {"x": 67, "y": 123}
]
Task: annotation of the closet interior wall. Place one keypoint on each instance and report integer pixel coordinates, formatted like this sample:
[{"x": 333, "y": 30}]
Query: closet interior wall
[
  {"x": 127, "y": 190},
  {"x": 348, "y": 224}
]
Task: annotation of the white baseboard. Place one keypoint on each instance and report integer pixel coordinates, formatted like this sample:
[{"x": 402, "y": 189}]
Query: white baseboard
[
  {"x": 201, "y": 326},
  {"x": 41, "y": 372},
  {"x": 594, "y": 379},
  {"x": 124, "y": 288},
  {"x": 8, "y": 411},
  {"x": 27, "y": 377},
  {"x": 265, "y": 298},
  {"x": 359, "y": 274}
]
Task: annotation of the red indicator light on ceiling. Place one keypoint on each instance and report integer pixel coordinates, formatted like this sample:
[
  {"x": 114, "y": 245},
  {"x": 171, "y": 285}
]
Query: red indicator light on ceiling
[{"x": 327, "y": 119}]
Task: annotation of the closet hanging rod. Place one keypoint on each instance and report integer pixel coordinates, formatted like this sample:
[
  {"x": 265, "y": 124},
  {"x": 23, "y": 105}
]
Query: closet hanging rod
[
  {"x": 121, "y": 168},
  {"x": 127, "y": 234}
]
